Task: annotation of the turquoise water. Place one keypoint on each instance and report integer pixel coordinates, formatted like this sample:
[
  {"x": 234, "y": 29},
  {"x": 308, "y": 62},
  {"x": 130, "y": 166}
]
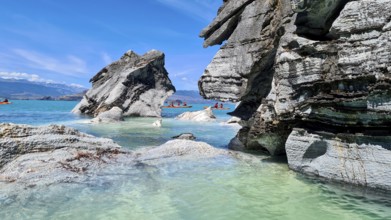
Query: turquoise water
[{"x": 218, "y": 188}]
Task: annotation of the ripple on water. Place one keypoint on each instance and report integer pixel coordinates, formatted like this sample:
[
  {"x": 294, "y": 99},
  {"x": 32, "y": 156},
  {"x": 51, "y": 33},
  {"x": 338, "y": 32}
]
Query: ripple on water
[{"x": 219, "y": 188}]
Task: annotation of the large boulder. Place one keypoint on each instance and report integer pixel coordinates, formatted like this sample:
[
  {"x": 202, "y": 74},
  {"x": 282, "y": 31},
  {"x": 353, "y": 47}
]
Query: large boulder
[
  {"x": 321, "y": 66},
  {"x": 138, "y": 85}
]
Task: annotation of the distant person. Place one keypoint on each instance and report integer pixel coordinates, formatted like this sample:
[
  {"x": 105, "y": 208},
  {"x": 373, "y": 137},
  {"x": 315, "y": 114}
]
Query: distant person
[
  {"x": 5, "y": 100},
  {"x": 172, "y": 104},
  {"x": 216, "y": 105},
  {"x": 221, "y": 105},
  {"x": 184, "y": 104},
  {"x": 179, "y": 103}
]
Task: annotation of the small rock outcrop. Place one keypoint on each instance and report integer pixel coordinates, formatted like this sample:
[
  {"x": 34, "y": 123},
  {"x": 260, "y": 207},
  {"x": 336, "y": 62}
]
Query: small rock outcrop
[
  {"x": 318, "y": 65},
  {"x": 138, "y": 85},
  {"x": 185, "y": 136},
  {"x": 199, "y": 116},
  {"x": 18, "y": 140}
]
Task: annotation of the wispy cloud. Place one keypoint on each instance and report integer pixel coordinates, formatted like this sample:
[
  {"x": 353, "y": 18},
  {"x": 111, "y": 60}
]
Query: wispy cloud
[
  {"x": 71, "y": 65},
  {"x": 33, "y": 78},
  {"x": 201, "y": 9},
  {"x": 24, "y": 76},
  {"x": 183, "y": 72}
]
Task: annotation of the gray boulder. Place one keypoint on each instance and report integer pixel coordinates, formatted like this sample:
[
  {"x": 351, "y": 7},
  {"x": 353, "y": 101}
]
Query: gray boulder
[
  {"x": 138, "y": 85},
  {"x": 357, "y": 159}
]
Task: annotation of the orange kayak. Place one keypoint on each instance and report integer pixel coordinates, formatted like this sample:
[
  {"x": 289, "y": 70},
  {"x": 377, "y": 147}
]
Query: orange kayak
[
  {"x": 177, "y": 106},
  {"x": 5, "y": 103}
]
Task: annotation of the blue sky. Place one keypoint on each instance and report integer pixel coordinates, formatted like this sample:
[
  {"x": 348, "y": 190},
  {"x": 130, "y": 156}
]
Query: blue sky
[{"x": 69, "y": 41}]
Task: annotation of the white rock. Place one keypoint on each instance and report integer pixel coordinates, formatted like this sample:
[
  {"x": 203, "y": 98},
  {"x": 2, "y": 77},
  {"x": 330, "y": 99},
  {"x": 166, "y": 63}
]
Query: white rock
[
  {"x": 158, "y": 123},
  {"x": 200, "y": 116}
]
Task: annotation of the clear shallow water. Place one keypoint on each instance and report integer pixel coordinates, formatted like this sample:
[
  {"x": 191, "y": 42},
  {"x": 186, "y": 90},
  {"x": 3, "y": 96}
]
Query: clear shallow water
[{"x": 220, "y": 188}]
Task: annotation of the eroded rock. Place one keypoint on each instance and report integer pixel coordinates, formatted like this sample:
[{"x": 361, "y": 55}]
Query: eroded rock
[
  {"x": 323, "y": 66},
  {"x": 138, "y": 85},
  {"x": 351, "y": 158}
]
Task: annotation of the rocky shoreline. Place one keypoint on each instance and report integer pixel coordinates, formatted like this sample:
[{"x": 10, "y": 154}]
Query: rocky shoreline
[{"x": 41, "y": 156}]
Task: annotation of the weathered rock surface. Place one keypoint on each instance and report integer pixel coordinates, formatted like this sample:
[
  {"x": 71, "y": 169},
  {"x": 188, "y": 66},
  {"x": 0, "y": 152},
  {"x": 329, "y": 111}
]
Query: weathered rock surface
[
  {"x": 138, "y": 85},
  {"x": 322, "y": 67},
  {"x": 358, "y": 159},
  {"x": 200, "y": 116},
  {"x": 113, "y": 115},
  {"x": 33, "y": 156}
]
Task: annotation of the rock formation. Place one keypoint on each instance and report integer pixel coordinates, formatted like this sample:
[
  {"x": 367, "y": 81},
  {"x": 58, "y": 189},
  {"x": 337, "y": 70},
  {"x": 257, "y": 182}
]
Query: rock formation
[
  {"x": 33, "y": 156},
  {"x": 138, "y": 85},
  {"x": 200, "y": 116},
  {"x": 323, "y": 67}
]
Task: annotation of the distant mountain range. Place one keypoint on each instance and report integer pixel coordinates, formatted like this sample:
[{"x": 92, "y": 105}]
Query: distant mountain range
[
  {"x": 189, "y": 96},
  {"x": 14, "y": 89},
  {"x": 17, "y": 89}
]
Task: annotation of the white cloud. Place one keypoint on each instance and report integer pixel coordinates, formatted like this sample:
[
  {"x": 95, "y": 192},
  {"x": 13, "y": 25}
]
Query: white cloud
[
  {"x": 184, "y": 78},
  {"x": 202, "y": 9},
  {"x": 24, "y": 76},
  {"x": 33, "y": 78},
  {"x": 71, "y": 65}
]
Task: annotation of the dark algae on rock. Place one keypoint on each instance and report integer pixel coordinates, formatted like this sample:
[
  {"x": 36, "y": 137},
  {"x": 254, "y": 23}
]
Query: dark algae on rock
[{"x": 313, "y": 80}]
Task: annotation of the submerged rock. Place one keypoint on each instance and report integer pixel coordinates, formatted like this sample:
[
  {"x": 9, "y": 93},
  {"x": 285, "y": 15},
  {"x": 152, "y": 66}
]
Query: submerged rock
[
  {"x": 200, "y": 116},
  {"x": 185, "y": 136},
  {"x": 138, "y": 85},
  {"x": 158, "y": 123},
  {"x": 323, "y": 66}
]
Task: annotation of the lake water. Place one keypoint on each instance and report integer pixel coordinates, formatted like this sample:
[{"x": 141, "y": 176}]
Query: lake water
[{"x": 219, "y": 188}]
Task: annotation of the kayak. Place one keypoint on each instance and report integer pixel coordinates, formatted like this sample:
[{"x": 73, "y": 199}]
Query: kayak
[
  {"x": 5, "y": 103},
  {"x": 177, "y": 106},
  {"x": 213, "y": 108}
]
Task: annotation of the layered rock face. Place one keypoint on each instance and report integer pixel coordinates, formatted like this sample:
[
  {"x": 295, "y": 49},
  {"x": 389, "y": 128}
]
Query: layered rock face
[
  {"x": 138, "y": 85},
  {"x": 320, "y": 66}
]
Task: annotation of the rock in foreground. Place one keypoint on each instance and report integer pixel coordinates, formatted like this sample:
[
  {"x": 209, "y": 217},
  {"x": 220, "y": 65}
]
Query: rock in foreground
[
  {"x": 138, "y": 85},
  {"x": 357, "y": 159},
  {"x": 56, "y": 154}
]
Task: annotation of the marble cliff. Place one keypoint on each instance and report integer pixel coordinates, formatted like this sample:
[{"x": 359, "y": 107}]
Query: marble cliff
[
  {"x": 313, "y": 79},
  {"x": 132, "y": 86}
]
